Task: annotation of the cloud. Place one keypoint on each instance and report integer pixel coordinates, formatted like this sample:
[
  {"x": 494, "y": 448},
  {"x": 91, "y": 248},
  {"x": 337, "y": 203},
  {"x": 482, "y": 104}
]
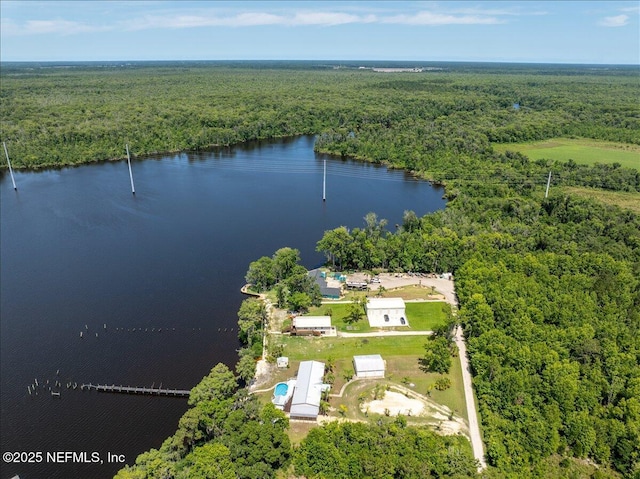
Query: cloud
[
  {"x": 430, "y": 18},
  {"x": 498, "y": 12},
  {"x": 248, "y": 19},
  {"x": 329, "y": 18},
  {"x": 56, "y": 26},
  {"x": 617, "y": 21},
  {"x": 217, "y": 17},
  {"x": 199, "y": 20}
]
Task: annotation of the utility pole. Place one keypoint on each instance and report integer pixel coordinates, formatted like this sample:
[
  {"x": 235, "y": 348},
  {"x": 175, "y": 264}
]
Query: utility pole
[
  {"x": 546, "y": 194},
  {"x": 324, "y": 181},
  {"x": 133, "y": 189},
  {"x": 9, "y": 163}
]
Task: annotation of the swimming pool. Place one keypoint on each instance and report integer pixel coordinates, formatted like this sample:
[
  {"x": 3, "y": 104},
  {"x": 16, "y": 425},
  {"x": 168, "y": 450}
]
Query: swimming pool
[
  {"x": 282, "y": 393},
  {"x": 281, "y": 389}
]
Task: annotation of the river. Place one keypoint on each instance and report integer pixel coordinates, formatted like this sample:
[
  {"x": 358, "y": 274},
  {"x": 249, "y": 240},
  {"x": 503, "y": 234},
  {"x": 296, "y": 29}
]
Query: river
[{"x": 151, "y": 281}]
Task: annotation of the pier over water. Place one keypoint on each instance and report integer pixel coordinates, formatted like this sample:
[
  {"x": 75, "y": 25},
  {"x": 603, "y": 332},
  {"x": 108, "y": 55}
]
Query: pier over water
[{"x": 135, "y": 390}]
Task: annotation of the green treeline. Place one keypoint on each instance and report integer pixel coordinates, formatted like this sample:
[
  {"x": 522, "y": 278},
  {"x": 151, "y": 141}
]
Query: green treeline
[
  {"x": 439, "y": 124},
  {"x": 357, "y": 450}
]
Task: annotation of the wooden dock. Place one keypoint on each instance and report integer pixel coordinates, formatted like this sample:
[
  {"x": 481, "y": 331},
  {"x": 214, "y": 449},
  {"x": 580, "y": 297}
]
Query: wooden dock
[{"x": 135, "y": 390}]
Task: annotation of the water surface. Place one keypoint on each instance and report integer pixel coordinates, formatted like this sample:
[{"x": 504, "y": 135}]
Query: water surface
[{"x": 79, "y": 251}]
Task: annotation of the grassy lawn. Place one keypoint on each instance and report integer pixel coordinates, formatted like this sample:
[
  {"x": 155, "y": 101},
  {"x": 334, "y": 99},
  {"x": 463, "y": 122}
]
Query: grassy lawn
[
  {"x": 339, "y": 313},
  {"x": 307, "y": 348},
  {"x": 399, "y": 368},
  {"x": 582, "y": 150},
  {"x": 422, "y": 316},
  {"x": 426, "y": 316},
  {"x": 623, "y": 199},
  {"x": 413, "y": 291}
]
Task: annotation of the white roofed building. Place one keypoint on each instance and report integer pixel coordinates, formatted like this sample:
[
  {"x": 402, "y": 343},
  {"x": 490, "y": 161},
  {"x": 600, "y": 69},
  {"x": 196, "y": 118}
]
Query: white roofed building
[
  {"x": 386, "y": 312},
  {"x": 306, "y": 325},
  {"x": 309, "y": 386},
  {"x": 369, "y": 366}
]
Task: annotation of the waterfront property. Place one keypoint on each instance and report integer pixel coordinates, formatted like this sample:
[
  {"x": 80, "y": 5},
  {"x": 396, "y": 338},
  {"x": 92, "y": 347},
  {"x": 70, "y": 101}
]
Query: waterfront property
[
  {"x": 369, "y": 366},
  {"x": 313, "y": 325},
  {"x": 386, "y": 312},
  {"x": 329, "y": 287},
  {"x": 308, "y": 390}
]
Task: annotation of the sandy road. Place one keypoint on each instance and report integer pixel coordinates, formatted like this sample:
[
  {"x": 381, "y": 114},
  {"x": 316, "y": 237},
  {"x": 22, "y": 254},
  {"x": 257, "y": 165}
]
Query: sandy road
[{"x": 474, "y": 427}]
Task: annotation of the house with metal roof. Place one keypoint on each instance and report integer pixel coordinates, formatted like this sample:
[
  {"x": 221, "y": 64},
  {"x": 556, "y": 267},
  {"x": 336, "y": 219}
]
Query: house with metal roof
[
  {"x": 386, "y": 312},
  {"x": 305, "y": 403},
  {"x": 369, "y": 366},
  {"x": 306, "y": 325}
]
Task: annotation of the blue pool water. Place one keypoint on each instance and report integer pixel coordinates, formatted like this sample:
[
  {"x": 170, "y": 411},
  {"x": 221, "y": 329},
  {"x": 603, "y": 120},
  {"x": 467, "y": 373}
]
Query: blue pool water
[{"x": 281, "y": 389}]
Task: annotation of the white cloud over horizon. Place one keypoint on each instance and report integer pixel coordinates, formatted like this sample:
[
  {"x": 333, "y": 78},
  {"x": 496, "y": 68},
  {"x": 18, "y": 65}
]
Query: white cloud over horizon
[
  {"x": 11, "y": 27},
  {"x": 615, "y": 21},
  {"x": 430, "y": 18},
  {"x": 186, "y": 18}
]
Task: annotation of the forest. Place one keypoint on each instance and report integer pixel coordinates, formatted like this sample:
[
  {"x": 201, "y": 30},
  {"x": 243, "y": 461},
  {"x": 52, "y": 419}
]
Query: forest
[{"x": 548, "y": 286}]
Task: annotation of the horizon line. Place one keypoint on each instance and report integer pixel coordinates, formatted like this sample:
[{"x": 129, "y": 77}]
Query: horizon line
[{"x": 516, "y": 62}]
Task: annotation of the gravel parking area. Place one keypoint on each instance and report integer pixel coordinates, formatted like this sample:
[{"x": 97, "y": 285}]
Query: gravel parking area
[{"x": 393, "y": 280}]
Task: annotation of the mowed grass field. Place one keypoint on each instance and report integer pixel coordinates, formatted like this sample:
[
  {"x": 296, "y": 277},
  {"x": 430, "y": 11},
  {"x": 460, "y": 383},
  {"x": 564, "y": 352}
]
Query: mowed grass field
[{"x": 580, "y": 150}]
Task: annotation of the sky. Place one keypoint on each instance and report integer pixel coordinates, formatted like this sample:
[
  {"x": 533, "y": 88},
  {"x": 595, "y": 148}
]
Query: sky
[{"x": 595, "y": 32}]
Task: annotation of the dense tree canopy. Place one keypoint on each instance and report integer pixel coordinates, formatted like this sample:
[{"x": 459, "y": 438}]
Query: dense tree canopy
[
  {"x": 358, "y": 451},
  {"x": 294, "y": 288}
]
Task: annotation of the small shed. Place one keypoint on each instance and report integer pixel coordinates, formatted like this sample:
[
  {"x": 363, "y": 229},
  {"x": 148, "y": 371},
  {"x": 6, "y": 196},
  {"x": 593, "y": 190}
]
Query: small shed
[
  {"x": 386, "y": 312},
  {"x": 306, "y": 325},
  {"x": 282, "y": 362},
  {"x": 369, "y": 366}
]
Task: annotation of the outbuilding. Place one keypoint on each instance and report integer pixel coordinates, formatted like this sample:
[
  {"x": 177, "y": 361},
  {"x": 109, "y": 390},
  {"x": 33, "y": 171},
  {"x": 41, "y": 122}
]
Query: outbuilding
[
  {"x": 369, "y": 366},
  {"x": 305, "y": 403},
  {"x": 386, "y": 312}
]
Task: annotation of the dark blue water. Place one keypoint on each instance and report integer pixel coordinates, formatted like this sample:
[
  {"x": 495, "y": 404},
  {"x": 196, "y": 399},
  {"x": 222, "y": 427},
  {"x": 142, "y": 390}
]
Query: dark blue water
[{"x": 79, "y": 251}]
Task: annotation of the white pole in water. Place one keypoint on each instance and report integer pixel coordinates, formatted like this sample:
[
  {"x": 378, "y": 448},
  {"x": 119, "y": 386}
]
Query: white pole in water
[
  {"x": 324, "y": 182},
  {"x": 133, "y": 189},
  {"x": 546, "y": 194},
  {"x": 9, "y": 163}
]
